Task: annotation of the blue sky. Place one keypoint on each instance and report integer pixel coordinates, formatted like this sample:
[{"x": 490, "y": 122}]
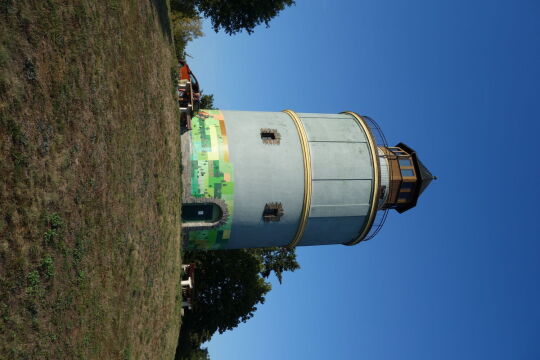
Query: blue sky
[{"x": 459, "y": 81}]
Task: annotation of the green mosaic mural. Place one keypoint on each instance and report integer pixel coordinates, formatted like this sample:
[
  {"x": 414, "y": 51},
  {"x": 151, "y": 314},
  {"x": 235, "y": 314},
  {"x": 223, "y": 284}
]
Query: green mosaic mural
[{"x": 211, "y": 174}]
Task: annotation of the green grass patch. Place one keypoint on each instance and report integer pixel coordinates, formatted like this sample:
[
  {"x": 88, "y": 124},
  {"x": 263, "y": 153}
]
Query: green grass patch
[{"x": 89, "y": 157}]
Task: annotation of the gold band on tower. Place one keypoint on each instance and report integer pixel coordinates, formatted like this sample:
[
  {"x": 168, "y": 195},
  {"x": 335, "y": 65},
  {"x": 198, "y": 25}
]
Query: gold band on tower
[
  {"x": 375, "y": 185},
  {"x": 306, "y": 154}
]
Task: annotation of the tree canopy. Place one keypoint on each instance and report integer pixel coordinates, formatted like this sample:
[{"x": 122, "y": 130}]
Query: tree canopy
[
  {"x": 276, "y": 260},
  {"x": 234, "y": 15},
  {"x": 228, "y": 289},
  {"x": 207, "y": 102},
  {"x": 229, "y": 285}
]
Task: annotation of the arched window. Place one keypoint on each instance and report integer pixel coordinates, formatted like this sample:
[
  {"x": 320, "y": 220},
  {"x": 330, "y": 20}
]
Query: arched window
[{"x": 201, "y": 212}]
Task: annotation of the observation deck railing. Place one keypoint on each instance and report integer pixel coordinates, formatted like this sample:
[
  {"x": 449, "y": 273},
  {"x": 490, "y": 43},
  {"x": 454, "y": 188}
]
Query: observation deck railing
[
  {"x": 380, "y": 219},
  {"x": 375, "y": 131}
]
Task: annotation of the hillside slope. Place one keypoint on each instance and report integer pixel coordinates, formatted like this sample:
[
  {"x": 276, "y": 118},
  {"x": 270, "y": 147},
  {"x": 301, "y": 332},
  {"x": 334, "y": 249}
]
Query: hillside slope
[{"x": 89, "y": 181}]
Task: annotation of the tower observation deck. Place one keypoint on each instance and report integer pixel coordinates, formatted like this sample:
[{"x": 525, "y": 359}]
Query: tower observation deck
[{"x": 259, "y": 179}]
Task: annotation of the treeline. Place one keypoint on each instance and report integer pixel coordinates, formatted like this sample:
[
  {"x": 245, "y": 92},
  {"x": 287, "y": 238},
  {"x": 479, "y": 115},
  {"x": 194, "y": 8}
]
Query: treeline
[
  {"x": 231, "y": 16},
  {"x": 229, "y": 285}
]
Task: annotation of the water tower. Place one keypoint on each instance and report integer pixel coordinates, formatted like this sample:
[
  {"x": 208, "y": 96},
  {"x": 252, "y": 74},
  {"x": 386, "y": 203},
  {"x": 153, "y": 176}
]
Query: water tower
[{"x": 259, "y": 179}]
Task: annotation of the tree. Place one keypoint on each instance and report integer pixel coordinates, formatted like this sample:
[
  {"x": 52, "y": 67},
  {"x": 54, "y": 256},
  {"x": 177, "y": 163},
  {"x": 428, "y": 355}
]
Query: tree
[
  {"x": 276, "y": 259},
  {"x": 199, "y": 354},
  {"x": 229, "y": 285},
  {"x": 233, "y": 15},
  {"x": 228, "y": 288},
  {"x": 207, "y": 102},
  {"x": 186, "y": 7},
  {"x": 185, "y": 29}
]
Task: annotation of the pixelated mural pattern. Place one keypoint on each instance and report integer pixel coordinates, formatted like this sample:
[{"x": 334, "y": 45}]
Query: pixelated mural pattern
[{"x": 211, "y": 175}]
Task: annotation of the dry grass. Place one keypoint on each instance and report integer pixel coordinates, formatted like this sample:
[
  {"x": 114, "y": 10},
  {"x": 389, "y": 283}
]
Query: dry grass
[{"x": 89, "y": 181}]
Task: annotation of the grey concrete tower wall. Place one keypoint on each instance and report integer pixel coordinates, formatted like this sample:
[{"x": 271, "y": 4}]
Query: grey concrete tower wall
[
  {"x": 341, "y": 171},
  {"x": 342, "y": 176},
  {"x": 264, "y": 173}
]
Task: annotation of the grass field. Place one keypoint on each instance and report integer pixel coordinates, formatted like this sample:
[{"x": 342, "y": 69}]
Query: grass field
[{"x": 89, "y": 181}]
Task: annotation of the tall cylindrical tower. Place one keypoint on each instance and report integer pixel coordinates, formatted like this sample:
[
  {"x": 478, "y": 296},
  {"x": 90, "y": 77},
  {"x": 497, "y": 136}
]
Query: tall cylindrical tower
[{"x": 259, "y": 179}]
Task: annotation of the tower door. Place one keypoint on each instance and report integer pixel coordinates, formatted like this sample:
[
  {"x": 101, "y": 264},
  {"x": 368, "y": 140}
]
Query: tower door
[{"x": 201, "y": 212}]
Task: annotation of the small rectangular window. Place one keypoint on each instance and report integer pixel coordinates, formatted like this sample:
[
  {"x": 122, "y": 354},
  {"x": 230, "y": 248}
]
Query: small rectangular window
[
  {"x": 270, "y": 136},
  {"x": 407, "y": 172},
  {"x": 405, "y": 162},
  {"x": 272, "y": 212},
  {"x": 407, "y": 185}
]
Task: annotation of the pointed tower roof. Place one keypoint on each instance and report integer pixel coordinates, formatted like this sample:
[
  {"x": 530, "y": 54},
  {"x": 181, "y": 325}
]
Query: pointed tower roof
[{"x": 424, "y": 177}]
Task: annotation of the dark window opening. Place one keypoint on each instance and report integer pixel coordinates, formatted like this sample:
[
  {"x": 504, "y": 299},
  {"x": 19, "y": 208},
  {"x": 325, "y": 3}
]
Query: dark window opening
[
  {"x": 404, "y": 195},
  {"x": 397, "y": 151},
  {"x": 382, "y": 192},
  {"x": 272, "y": 212},
  {"x": 206, "y": 212},
  {"x": 407, "y": 185},
  {"x": 270, "y": 136}
]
